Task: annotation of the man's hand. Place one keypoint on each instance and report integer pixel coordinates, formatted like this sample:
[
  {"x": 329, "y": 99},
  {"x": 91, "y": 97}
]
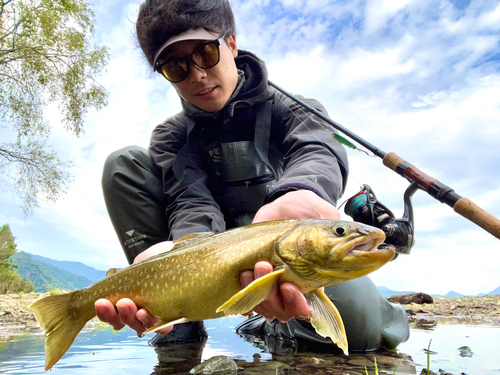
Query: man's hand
[
  {"x": 300, "y": 204},
  {"x": 283, "y": 303},
  {"x": 286, "y": 301},
  {"x": 126, "y": 311}
]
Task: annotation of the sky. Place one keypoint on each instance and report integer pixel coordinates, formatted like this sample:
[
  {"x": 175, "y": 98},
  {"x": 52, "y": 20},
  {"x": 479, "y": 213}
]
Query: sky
[{"x": 420, "y": 78}]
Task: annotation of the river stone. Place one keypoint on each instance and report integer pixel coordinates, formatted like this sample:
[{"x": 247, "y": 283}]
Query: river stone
[{"x": 219, "y": 365}]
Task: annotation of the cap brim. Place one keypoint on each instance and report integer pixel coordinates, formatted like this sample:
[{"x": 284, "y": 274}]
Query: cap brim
[{"x": 191, "y": 34}]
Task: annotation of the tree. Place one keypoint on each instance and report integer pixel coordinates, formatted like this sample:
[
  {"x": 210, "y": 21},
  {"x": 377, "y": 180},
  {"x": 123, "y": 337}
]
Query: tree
[
  {"x": 10, "y": 281},
  {"x": 46, "y": 57},
  {"x": 7, "y": 248}
]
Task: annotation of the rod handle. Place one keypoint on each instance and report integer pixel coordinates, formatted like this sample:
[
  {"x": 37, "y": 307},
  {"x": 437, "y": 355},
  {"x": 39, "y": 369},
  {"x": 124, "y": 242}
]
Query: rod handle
[
  {"x": 477, "y": 215},
  {"x": 462, "y": 206},
  {"x": 403, "y": 168}
]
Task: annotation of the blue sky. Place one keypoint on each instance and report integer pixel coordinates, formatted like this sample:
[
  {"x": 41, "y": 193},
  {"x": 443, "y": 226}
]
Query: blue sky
[{"x": 418, "y": 78}]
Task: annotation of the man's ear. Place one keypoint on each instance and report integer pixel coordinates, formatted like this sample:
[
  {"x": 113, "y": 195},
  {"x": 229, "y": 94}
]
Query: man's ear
[{"x": 231, "y": 42}]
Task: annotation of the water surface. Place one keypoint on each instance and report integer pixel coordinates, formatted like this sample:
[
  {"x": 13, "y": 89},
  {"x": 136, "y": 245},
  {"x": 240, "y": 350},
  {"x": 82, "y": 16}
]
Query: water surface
[{"x": 105, "y": 351}]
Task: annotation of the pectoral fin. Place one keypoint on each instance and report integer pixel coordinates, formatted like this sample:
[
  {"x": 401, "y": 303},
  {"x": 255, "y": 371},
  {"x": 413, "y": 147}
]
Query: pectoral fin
[
  {"x": 326, "y": 318},
  {"x": 162, "y": 324},
  {"x": 256, "y": 292}
]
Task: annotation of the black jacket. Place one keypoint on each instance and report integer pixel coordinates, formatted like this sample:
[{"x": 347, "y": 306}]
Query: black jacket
[{"x": 219, "y": 168}]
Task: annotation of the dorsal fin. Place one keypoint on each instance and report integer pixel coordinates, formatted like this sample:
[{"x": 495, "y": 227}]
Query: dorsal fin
[
  {"x": 190, "y": 238},
  {"x": 112, "y": 271}
]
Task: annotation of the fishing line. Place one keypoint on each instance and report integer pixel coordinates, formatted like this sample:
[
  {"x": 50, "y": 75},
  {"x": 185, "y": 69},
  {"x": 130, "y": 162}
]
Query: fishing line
[
  {"x": 335, "y": 136},
  {"x": 417, "y": 178}
]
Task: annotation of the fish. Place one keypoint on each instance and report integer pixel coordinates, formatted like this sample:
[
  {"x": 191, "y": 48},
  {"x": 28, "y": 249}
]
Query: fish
[{"x": 199, "y": 278}]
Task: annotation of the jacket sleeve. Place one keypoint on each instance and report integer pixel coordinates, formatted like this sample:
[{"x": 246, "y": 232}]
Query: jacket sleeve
[
  {"x": 313, "y": 159},
  {"x": 191, "y": 207}
]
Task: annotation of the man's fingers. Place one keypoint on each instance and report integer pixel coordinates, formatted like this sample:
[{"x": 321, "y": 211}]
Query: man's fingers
[
  {"x": 148, "y": 320},
  {"x": 107, "y": 313},
  {"x": 246, "y": 277},
  {"x": 273, "y": 306},
  {"x": 127, "y": 311},
  {"x": 294, "y": 301},
  {"x": 262, "y": 268},
  {"x": 283, "y": 303}
]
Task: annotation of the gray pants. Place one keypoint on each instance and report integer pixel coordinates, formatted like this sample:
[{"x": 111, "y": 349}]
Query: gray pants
[
  {"x": 136, "y": 205},
  {"x": 134, "y": 199}
]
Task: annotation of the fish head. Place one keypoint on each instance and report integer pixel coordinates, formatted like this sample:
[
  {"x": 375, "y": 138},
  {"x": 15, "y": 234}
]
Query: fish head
[{"x": 328, "y": 252}]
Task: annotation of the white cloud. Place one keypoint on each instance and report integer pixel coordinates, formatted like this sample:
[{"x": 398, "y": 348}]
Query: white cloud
[
  {"x": 378, "y": 12},
  {"x": 411, "y": 77}
]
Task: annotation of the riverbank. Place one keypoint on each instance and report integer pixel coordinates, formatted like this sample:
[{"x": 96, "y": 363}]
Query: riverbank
[{"x": 16, "y": 317}]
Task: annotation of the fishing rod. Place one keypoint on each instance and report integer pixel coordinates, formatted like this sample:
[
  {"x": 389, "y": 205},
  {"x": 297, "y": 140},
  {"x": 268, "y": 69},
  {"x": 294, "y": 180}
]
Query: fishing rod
[{"x": 365, "y": 207}]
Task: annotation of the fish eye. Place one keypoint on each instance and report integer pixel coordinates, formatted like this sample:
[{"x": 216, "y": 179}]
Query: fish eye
[{"x": 340, "y": 230}]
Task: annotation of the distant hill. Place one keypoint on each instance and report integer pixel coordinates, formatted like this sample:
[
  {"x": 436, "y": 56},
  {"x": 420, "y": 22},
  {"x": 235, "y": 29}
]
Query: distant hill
[
  {"x": 453, "y": 294},
  {"x": 45, "y": 276},
  {"x": 496, "y": 291},
  {"x": 75, "y": 268},
  {"x": 388, "y": 293}
]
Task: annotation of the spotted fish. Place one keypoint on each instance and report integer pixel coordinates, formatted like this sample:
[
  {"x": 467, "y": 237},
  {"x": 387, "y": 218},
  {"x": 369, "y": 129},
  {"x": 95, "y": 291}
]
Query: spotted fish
[{"x": 199, "y": 278}]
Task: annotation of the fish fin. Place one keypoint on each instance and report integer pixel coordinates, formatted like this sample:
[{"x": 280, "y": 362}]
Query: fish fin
[
  {"x": 326, "y": 319},
  {"x": 112, "y": 271},
  {"x": 61, "y": 327},
  {"x": 162, "y": 324},
  {"x": 256, "y": 292},
  {"x": 190, "y": 238}
]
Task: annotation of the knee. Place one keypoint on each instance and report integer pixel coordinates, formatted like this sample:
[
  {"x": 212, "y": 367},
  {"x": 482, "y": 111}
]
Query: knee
[
  {"x": 124, "y": 162},
  {"x": 370, "y": 320}
]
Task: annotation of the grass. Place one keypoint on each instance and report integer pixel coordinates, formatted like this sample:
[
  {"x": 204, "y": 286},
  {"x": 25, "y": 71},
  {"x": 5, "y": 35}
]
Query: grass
[{"x": 428, "y": 362}]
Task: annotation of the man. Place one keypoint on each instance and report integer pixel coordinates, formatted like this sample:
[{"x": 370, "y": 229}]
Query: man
[{"x": 239, "y": 152}]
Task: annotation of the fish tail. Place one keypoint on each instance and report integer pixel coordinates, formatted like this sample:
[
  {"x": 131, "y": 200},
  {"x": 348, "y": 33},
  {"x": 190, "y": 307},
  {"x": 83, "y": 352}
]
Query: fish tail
[{"x": 61, "y": 322}]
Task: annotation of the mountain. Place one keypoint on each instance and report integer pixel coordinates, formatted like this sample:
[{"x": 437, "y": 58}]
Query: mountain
[
  {"x": 453, "y": 294},
  {"x": 45, "y": 276},
  {"x": 75, "y": 268},
  {"x": 496, "y": 291},
  {"x": 388, "y": 293}
]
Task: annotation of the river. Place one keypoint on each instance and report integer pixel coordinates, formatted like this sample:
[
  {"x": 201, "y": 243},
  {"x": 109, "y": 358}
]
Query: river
[{"x": 103, "y": 351}]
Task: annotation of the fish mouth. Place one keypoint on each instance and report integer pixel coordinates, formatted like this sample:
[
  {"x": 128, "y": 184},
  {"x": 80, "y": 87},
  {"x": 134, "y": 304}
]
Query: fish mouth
[{"x": 361, "y": 245}]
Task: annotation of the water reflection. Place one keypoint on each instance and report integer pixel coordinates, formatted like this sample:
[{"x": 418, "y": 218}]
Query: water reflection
[
  {"x": 178, "y": 358},
  {"x": 123, "y": 353}
]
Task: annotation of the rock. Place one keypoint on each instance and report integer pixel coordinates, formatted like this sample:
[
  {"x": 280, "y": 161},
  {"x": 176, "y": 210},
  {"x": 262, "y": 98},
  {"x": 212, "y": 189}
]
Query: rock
[
  {"x": 219, "y": 365},
  {"x": 465, "y": 351},
  {"x": 426, "y": 323},
  {"x": 406, "y": 299},
  {"x": 424, "y": 372}
]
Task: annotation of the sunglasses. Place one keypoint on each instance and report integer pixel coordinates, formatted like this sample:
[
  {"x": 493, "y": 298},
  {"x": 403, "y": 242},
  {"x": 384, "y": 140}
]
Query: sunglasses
[{"x": 205, "y": 56}]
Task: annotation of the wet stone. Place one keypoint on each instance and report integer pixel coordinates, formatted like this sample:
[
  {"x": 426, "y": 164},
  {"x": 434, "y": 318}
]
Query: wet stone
[
  {"x": 270, "y": 367},
  {"x": 360, "y": 361},
  {"x": 219, "y": 365}
]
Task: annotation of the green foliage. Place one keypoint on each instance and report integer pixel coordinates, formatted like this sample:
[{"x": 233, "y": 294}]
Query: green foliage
[
  {"x": 46, "y": 56},
  {"x": 54, "y": 292},
  {"x": 46, "y": 277},
  {"x": 7, "y": 249},
  {"x": 10, "y": 280}
]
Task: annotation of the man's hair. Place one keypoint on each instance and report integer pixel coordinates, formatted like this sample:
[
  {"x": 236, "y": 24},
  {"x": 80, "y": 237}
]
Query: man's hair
[{"x": 159, "y": 20}]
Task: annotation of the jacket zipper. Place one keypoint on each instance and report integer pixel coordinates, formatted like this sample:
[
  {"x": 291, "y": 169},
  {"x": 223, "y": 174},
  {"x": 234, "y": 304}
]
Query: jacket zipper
[{"x": 251, "y": 181}]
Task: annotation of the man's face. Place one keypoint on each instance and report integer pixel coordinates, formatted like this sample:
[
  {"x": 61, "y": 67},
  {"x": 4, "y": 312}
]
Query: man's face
[{"x": 208, "y": 89}]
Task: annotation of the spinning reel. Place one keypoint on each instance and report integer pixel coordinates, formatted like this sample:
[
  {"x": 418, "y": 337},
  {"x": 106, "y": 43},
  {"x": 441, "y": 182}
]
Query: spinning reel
[{"x": 365, "y": 208}]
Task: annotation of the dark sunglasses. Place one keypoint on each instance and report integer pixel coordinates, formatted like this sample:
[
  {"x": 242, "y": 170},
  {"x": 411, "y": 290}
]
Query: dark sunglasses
[{"x": 205, "y": 56}]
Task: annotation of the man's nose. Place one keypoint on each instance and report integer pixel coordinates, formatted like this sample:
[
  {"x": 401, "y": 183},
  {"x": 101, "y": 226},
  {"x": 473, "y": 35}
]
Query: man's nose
[{"x": 196, "y": 73}]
